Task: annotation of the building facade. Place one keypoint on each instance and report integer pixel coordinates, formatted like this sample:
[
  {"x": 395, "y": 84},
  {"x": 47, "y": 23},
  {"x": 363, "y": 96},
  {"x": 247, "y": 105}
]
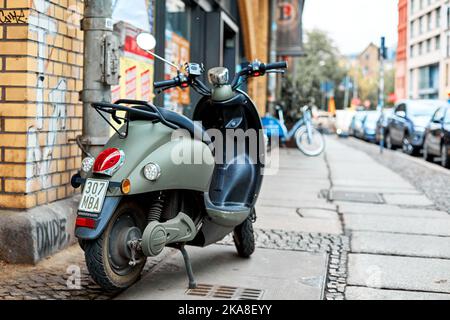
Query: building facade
[
  {"x": 428, "y": 49},
  {"x": 402, "y": 52}
]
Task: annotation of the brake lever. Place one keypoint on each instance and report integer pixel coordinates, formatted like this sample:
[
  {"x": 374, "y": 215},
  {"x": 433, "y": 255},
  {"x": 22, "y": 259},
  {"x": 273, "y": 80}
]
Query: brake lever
[{"x": 276, "y": 71}]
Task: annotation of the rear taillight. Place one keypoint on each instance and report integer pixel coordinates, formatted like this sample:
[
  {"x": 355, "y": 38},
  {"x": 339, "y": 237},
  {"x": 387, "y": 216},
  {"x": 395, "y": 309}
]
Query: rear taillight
[
  {"x": 109, "y": 161},
  {"x": 85, "y": 223}
]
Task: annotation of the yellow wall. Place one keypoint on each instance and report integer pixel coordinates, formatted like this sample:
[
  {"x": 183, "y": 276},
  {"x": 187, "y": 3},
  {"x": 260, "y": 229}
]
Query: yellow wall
[{"x": 41, "y": 53}]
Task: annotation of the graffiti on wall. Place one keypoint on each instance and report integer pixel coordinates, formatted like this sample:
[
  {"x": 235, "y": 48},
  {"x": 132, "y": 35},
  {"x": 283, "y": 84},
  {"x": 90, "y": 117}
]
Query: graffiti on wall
[
  {"x": 40, "y": 156},
  {"x": 16, "y": 16},
  {"x": 51, "y": 236}
]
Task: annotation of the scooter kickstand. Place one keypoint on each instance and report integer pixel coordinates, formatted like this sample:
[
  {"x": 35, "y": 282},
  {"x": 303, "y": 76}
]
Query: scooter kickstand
[{"x": 187, "y": 263}]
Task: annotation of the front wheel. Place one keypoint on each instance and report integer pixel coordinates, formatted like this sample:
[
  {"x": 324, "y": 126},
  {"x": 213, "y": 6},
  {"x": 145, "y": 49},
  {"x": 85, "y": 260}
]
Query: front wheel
[
  {"x": 244, "y": 238},
  {"x": 108, "y": 257},
  {"x": 310, "y": 146},
  {"x": 426, "y": 155},
  {"x": 445, "y": 159}
]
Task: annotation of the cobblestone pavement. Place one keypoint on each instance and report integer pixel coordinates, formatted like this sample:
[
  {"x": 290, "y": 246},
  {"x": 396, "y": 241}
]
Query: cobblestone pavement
[
  {"x": 54, "y": 279},
  {"x": 424, "y": 177},
  {"x": 336, "y": 246}
]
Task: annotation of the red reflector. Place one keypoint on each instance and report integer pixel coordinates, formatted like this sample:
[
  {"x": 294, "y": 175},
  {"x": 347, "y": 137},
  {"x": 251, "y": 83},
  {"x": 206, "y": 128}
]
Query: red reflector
[
  {"x": 185, "y": 85},
  {"x": 107, "y": 161},
  {"x": 257, "y": 74},
  {"x": 85, "y": 223}
]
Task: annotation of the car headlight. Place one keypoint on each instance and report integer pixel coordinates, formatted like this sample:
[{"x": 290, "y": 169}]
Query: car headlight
[
  {"x": 87, "y": 164},
  {"x": 152, "y": 171}
]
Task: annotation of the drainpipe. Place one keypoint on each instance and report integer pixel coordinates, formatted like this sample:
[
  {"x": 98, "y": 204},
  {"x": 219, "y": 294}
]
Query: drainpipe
[{"x": 101, "y": 71}]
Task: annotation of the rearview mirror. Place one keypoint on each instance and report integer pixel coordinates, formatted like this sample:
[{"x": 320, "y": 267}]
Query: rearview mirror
[
  {"x": 401, "y": 114},
  {"x": 146, "y": 41}
]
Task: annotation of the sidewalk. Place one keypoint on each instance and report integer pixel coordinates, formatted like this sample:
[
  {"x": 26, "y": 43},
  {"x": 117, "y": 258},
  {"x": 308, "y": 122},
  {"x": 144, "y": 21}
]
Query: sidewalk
[
  {"x": 337, "y": 226},
  {"x": 399, "y": 248}
]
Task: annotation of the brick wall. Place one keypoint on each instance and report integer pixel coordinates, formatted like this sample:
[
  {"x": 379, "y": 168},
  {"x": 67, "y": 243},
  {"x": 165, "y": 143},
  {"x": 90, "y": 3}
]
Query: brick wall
[{"x": 40, "y": 78}]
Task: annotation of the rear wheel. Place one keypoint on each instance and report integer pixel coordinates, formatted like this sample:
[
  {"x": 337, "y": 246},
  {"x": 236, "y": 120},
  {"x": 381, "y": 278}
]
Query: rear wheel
[
  {"x": 244, "y": 238},
  {"x": 445, "y": 159},
  {"x": 108, "y": 257}
]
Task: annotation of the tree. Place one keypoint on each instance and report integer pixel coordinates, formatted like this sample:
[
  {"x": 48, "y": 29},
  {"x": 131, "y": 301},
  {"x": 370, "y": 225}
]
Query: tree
[{"x": 320, "y": 65}]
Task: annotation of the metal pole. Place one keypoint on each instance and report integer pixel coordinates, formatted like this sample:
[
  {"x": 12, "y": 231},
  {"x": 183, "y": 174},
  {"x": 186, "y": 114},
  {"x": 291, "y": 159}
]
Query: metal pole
[
  {"x": 381, "y": 89},
  {"x": 100, "y": 70},
  {"x": 347, "y": 92},
  {"x": 273, "y": 79}
]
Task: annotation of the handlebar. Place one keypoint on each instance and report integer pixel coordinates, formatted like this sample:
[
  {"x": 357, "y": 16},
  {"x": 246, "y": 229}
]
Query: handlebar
[
  {"x": 254, "y": 69},
  {"x": 167, "y": 83},
  {"x": 276, "y": 65}
]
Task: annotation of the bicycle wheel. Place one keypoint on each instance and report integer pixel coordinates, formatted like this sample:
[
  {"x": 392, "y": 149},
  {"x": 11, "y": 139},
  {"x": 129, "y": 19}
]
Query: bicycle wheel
[{"x": 310, "y": 146}]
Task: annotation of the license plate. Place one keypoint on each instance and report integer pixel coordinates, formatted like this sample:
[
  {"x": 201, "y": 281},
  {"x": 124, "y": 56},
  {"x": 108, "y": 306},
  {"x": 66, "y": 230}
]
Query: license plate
[{"x": 93, "y": 196}]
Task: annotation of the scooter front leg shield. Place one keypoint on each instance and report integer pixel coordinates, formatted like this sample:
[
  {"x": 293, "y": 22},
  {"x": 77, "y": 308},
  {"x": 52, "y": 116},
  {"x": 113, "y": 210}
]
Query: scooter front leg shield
[{"x": 109, "y": 207}]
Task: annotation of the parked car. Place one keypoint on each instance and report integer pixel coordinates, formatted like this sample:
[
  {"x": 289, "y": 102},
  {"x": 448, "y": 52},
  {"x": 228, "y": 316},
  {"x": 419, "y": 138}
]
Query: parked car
[
  {"x": 406, "y": 127},
  {"x": 437, "y": 137},
  {"x": 356, "y": 127},
  {"x": 382, "y": 124},
  {"x": 324, "y": 122},
  {"x": 370, "y": 125}
]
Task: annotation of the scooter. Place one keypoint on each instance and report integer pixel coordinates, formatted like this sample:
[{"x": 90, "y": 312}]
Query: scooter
[
  {"x": 308, "y": 139},
  {"x": 164, "y": 180}
]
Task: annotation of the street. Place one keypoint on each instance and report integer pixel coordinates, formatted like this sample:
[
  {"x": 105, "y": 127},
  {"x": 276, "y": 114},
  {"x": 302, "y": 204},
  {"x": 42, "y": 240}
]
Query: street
[{"x": 340, "y": 226}]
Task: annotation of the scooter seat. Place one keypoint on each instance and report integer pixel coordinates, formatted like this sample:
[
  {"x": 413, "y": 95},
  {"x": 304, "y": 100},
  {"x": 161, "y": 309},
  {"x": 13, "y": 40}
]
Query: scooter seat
[{"x": 195, "y": 129}]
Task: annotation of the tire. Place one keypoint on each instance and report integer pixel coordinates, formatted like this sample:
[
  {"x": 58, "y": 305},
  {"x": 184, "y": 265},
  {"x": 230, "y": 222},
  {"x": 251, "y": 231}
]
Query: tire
[
  {"x": 318, "y": 138},
  {"x": 101, "y": 253},
  {"x": 426, "y": 155},
  {"x": 408, "y": 148},
  {"x": 244, "y": 238},
  {"x": 389, "y": 143},
  {"x": 445, "y": 159}
]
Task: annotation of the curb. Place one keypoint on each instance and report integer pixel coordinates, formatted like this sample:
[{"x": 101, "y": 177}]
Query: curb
[{"x": 29, "y": 236}]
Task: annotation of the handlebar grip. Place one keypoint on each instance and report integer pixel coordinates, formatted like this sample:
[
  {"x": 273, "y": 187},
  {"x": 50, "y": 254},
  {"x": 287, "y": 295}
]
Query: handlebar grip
[
  {"x": 167, "y": 83},
  {"x": 276, "y": 65}
]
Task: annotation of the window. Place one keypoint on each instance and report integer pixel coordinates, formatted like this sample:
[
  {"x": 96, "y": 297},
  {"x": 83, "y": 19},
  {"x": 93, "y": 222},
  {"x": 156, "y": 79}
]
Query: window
[
  {"x": 411, "y": 51},
  {"x": 429, "y": 77},
  {"x": 420, "y": 48},
  {"x": 400, "y": 108},
  {"x": 421, "y": 25},
  {"x": 438, "y": 18},
  {"x": 413, "y": 5},
  {"x": 439, "y": 115},
  {"x": 438, "y": 43},
  {"x": 429, "y": 22},
  {"x": 420, "y": 4},
  {"x": 412, "y": 29},
  {"x": 428, "y": 45},
  {"x": 448, "y": 46},
  {"x": 447, "y": 117}
]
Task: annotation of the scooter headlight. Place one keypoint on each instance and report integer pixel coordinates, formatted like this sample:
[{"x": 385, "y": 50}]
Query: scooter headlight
[
  {"x": 152, "y": 171},
  {"x": 87, "y": 164}
]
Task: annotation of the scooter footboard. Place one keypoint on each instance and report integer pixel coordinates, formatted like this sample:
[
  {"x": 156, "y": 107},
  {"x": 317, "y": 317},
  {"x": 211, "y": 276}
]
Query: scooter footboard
[{"x": 101, "y": 220}]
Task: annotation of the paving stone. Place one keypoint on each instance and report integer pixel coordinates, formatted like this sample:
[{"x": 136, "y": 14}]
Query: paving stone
[
  {"x": 423, "y": 226},
  {"x": 361, "y": 293},
  {"x": 389, "y": 210},
  {"x": 399, "y": 273},
  {"x": 401, "y": 244}
]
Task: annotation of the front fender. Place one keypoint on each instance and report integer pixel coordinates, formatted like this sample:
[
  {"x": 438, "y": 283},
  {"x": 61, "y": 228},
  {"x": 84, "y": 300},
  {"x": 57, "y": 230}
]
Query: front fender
[{"x": 109, "y": 207}]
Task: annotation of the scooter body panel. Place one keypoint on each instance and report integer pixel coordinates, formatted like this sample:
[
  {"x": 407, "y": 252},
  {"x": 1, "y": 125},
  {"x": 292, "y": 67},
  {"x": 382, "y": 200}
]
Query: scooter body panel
[{"x": 185, "y": 163}]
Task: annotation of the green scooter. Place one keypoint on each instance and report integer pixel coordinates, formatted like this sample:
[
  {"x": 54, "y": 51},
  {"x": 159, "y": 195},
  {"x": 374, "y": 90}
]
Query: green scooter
[{"x": 164, "y": 180}]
